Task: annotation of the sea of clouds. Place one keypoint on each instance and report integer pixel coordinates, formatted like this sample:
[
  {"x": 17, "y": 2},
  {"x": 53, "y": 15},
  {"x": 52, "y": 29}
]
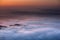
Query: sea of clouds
[{"x": 32, "y": 30}]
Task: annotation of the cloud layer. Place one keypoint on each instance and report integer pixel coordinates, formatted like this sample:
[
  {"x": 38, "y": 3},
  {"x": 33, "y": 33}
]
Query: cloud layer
[{"x": 31, "y": 31}]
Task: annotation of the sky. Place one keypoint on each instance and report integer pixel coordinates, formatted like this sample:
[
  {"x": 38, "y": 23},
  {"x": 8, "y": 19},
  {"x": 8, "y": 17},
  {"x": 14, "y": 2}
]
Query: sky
[
  {"x": 28, "y": 2},
  {"x": 33, "y": 7}
]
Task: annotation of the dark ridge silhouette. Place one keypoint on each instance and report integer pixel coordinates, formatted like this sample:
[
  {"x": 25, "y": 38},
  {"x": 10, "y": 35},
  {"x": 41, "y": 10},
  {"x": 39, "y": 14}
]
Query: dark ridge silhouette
[
  {"x": 16, "y": 25},
  {"x": 2, "y": 26},
  {"x": 39, "y": 12}
]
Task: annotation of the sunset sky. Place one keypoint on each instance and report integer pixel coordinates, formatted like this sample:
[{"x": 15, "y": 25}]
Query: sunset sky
[
  {"x": 22, "y": 6},
  {"x": 28, "y": 2}
]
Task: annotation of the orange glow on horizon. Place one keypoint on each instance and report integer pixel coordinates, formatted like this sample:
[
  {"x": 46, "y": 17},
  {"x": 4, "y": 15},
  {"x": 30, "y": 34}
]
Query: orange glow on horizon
[{"x": 27, "y": 2}]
